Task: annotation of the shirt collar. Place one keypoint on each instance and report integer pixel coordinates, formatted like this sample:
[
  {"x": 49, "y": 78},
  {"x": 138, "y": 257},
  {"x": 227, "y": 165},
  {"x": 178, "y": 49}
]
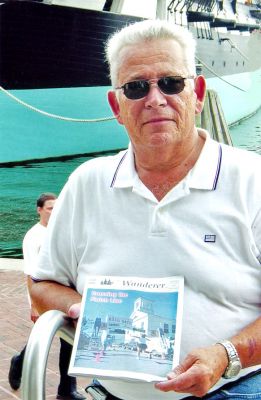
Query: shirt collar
[
  {"x": 204, "y": 174},
  {"x": 125, "y": 172}
]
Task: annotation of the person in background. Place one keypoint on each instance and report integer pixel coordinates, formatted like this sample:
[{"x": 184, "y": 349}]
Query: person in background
[
  {"x": 31, "y": 246},
  {"x": 175, "y": 202},
  {"x": 141, "y": 345}
]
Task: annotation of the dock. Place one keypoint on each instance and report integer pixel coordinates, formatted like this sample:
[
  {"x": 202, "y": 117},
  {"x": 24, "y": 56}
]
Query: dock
[
  {"x": 212, "y": 119},
  {"x": 11, "y": 264}
]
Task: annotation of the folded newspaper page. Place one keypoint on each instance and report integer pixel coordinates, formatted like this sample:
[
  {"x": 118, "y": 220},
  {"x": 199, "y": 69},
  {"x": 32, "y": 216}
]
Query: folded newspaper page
[{"x": 129, "y": 328}]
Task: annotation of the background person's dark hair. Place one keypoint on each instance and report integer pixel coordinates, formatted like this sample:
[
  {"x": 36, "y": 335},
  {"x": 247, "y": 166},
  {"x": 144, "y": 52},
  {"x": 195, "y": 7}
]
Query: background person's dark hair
[{"x": 44, "y": 197}]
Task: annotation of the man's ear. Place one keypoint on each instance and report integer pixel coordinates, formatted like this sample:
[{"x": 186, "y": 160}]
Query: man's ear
[
  {"x": 200, "y": 90},
  {"x": 114, "y": 104}
]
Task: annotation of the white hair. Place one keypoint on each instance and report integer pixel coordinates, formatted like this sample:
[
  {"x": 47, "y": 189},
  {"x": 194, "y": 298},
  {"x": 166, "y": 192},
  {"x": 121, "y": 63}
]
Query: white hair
[{"x": 145, "y": 31}]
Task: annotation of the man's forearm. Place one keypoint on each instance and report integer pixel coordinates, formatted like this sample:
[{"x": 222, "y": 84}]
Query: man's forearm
[
  {"x": 49, "y": 295},
  {"x": 248, "y": 344}
]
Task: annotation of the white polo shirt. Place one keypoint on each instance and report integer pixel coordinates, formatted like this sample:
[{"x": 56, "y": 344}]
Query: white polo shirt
[
  {"x": 32, "y": 242},
  {"x": 207, "y": 229}
]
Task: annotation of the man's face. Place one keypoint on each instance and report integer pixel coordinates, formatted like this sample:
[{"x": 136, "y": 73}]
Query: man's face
[
  {"x": 156, "y": 120},
  {"x": 45, "y": 211}
]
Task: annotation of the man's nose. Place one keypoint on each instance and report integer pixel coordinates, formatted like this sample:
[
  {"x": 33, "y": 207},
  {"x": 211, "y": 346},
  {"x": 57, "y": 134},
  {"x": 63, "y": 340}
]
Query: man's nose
[{"x": 155, "y": 97}]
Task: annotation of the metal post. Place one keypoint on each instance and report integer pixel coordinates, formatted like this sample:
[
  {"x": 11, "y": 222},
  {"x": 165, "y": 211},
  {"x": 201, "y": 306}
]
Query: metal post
[
  {"x": 161, "y": 10},
  {"x": 37, "y": 350}
]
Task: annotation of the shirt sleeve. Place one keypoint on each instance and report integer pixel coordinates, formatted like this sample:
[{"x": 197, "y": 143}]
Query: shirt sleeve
[
  {"x": 57, "y": 260},
  {"x": 31, "y": 248}
]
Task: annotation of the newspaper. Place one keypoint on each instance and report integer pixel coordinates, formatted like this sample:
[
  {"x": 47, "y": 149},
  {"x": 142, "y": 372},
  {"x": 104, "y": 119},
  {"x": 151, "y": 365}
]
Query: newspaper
[{"x": 129, "y": 328}]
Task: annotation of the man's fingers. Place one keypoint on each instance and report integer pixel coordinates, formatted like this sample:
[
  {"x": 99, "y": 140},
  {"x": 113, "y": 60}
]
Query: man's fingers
[
  {"x": 179, "y": 382},
  {"x": 74, "y": 311},
  {"x": 184, "y": 384},
  {"x": 191, "y": 377}
]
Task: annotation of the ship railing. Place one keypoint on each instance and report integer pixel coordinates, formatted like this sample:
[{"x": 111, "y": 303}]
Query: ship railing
[
  {"x": 49, "y": 325},
  {"x": 199, "y": 13}
]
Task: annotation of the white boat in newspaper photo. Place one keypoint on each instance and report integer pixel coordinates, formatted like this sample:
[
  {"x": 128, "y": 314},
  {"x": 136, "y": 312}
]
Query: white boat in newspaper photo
[{"x": 52, "y": 60}]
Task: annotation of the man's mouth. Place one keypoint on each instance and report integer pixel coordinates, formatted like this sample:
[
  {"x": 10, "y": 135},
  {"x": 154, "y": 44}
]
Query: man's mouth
[{"x": 158, "y": 120}]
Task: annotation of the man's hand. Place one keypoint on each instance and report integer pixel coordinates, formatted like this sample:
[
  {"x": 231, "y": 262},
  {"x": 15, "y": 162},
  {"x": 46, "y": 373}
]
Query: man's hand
[
  {"x": 199, "y": 371},
  {"x": 74, "y": 312},
  {"x": 34, "y": 313}
]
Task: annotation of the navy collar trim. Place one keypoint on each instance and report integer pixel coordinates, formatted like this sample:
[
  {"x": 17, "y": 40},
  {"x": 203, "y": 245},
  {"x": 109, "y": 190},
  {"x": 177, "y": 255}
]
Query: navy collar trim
[
  {"x": 218, "y": 169},
  {"x": 117, "y": 169},
  {"x": 212, "y": 187}
]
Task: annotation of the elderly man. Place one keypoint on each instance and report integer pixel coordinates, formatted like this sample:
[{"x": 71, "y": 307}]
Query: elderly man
[{"x": 175, "y": 203}]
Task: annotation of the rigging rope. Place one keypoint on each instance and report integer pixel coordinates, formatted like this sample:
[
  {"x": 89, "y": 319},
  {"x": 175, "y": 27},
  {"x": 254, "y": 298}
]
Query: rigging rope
[
  {"x": 47, "y": 114},
  {"x": 84, "y": 120},
  {"x": 218, "y": 76}
]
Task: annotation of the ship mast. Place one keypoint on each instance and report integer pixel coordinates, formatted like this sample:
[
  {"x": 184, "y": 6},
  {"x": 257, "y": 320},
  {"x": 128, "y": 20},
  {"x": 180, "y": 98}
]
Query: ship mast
[{"x": 161, "y": 10}]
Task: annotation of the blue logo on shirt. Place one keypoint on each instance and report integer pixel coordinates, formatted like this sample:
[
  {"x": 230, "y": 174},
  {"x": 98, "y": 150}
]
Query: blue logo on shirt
[{"x": 210, "y": 238}]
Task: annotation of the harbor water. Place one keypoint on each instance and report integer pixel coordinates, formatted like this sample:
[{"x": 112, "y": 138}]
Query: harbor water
[{"x": 21, "y": 185}]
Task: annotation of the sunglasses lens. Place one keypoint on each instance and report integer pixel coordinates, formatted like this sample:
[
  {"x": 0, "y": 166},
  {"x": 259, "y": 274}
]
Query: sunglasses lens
[
  {"x": 136, "y": 90},
  {"x": 171, "y": 85}
]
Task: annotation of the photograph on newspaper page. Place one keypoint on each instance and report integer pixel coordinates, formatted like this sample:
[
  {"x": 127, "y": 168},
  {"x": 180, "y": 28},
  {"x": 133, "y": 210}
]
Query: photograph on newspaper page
[{"x": 129, "y": 328}]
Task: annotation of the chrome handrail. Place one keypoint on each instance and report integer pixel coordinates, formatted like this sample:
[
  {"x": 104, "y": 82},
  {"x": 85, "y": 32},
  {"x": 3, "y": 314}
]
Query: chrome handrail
[{"x": 37, "y": 350}]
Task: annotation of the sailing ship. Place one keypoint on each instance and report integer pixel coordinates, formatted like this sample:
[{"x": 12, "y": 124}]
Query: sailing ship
[{"x": 54, "y": 80}]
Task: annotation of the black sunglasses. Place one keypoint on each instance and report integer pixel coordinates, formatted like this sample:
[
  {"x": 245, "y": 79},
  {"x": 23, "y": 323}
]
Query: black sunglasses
[{"x": 169, "y": 85}]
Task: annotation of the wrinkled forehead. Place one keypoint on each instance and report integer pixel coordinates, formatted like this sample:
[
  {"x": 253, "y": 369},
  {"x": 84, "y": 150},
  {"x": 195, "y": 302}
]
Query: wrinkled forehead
[{"x": 161, "y": 56}]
